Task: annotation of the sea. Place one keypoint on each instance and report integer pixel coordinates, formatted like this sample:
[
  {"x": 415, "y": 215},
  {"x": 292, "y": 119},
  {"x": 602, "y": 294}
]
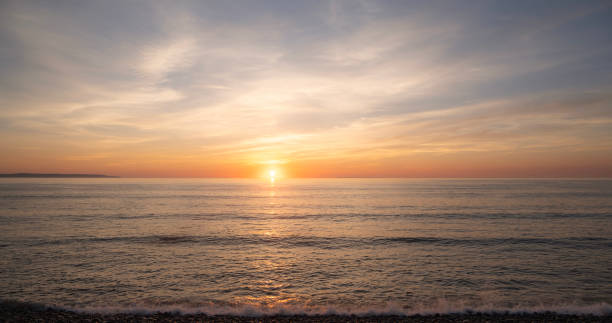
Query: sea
[{"x": 308, "y": 246}]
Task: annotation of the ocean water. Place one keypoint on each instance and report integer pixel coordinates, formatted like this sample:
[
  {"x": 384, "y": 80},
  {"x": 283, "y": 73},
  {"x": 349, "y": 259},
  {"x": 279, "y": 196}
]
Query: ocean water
[{"x": 308, "y": 245}]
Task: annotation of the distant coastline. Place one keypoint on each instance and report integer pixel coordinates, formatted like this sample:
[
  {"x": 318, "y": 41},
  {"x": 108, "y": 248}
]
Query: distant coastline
[{"x": 37, "y": 175}]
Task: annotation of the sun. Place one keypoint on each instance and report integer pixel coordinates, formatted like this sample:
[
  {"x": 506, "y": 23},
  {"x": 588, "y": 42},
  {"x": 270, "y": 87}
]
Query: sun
[
  {"x": 272, "y": 171},
  {"x": 272, "y": 175}
]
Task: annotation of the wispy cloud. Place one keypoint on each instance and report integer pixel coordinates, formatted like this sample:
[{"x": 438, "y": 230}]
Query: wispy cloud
[{"x": 332, "y": 82}]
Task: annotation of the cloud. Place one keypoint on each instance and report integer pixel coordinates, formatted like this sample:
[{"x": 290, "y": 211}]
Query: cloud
[
  {"x": 160, "y": 60},
  {"x": 304, "y": 81}
]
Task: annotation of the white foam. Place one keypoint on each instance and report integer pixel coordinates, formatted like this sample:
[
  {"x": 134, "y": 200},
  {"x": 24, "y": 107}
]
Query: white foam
[{"x": 442, "y": 307}]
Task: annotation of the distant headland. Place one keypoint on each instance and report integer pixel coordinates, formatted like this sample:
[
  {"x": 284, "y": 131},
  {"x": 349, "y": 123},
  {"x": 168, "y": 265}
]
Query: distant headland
[{"x": 37, "y": 175}]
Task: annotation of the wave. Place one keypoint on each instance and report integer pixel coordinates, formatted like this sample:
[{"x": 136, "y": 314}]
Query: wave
[
  {"x": 325, "y": 242},
  {"x": 77, "y": 216},
  {"x": 440, "y": 308}
]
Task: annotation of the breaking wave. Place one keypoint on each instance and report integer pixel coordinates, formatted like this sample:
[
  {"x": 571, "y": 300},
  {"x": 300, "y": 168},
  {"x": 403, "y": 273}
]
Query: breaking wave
[{"x": 441, "y": 307}]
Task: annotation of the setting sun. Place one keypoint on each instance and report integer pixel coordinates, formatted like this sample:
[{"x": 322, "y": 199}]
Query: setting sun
[{"x": 272, "y": 175}]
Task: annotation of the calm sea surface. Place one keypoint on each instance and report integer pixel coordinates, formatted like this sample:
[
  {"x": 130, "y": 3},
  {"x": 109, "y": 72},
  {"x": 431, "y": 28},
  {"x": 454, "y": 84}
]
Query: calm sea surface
[{"x": 342, "y": 244}]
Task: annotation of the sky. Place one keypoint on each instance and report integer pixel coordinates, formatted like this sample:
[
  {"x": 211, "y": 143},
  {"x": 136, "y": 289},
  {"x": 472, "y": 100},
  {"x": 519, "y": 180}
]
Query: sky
[{"x": 308, "y": 88}]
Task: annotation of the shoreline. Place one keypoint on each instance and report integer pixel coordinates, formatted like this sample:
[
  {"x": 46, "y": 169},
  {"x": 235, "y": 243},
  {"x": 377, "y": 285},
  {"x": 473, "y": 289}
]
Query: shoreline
[{"x": 14, "y": 311}]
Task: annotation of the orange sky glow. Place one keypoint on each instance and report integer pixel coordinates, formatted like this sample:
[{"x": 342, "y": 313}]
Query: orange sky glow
[{"x": 313, "y": 89}]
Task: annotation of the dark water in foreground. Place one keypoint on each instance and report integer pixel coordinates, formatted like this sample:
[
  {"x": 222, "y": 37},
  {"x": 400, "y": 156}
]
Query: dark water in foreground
[{"x": 350, "y": 245}]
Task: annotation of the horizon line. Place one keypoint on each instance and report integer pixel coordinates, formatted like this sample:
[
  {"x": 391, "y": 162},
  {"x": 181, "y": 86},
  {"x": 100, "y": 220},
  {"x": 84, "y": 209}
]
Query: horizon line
[{"x": 105, "y": 176}]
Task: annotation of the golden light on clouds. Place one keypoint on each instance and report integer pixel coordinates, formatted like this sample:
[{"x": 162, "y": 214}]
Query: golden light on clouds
[{"x": 378, "y": 90}]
